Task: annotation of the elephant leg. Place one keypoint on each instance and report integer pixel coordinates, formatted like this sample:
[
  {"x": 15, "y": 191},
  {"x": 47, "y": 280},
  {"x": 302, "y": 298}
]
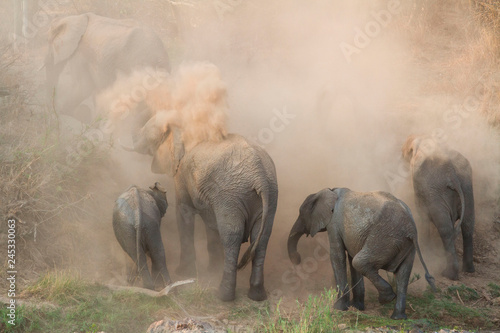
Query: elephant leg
[
  {"x": 358, "y": 288},
  {"x": 126, "y": 234},
  {"x": 158, "y": 261},
  {"x": 442, "y": 220},
  {"x": 142, "y": 267},
  {"x": 468, "y": 237},
  {"x": 363, "y": 263},
  {"x": 257, "y": 291},
  {"x": 132, "y": 272},
  {"x": 214, "y": 248},
  {"x": 339, "y": 265},
  {"x": 231, "y": 231},
  {"x": 402, "y": 273},
  {"x": 185, "y": 224}
]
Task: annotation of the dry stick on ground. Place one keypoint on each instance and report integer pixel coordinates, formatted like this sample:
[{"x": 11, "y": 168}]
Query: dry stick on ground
[
  {"x": 151, "y": 293},
  {"x": 460, "y": 298},
  {"x": 411, "y": 307}
]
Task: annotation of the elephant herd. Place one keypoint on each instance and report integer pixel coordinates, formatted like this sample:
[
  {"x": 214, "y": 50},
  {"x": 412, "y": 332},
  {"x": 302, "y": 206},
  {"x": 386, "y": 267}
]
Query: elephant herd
[{"x": 231, "y": 183}]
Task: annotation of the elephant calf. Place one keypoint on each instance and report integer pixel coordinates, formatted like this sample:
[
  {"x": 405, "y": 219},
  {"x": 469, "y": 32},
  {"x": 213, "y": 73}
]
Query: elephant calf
[
  {"x": 442, "y": 181},
  {"x": 136, "y": 222},
  {"x": 375, "y": 229}
]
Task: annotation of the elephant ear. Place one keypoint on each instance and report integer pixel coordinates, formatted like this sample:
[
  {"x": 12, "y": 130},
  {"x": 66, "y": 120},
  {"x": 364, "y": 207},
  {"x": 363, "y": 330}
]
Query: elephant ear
[
  {"x": 409, "y": 147},
  {"x": 159, "y": 187},
  {"x": 65, "y": 35},
  {"x": 322, "y": 206},
  {"x": 169, "y": 153}
]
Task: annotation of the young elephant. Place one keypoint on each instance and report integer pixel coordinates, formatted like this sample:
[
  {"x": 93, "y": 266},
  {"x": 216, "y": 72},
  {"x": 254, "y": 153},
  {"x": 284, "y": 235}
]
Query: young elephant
[
  {"x": 442, "y": 181},
  {"x": 375, "y": 229},
  {"x": 136, "y": 222}
]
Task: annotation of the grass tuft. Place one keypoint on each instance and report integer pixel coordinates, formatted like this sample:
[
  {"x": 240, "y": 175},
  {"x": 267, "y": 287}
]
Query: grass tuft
[
  {"x": 494, "y": 289},
  {"x": 60, "y": 286},
  {"x": 463, "y": 292},
  {"x": 316, "y": 315}
]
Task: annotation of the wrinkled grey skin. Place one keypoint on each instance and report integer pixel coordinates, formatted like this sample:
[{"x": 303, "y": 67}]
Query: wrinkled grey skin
[
  {"x": 136, "y": 222},
  {"x": 232, "y": 185},
  {"x": 375, "y": 229},
  {"x": 442, "y": 182},
  {"x": 87, "y": 51}
]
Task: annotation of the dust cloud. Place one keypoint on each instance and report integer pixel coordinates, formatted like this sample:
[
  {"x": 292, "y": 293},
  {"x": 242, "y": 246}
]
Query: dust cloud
[{"x": 332, "y": 89}]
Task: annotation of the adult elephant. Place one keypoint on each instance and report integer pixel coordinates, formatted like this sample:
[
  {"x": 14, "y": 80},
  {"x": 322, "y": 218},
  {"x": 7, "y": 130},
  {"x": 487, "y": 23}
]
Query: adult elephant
[
  {"x": 86, "y": 52},
  {"x": 230, "y": 182},
  {"x": 442, "y": 182},
  {"x": 375, "y": 229}
]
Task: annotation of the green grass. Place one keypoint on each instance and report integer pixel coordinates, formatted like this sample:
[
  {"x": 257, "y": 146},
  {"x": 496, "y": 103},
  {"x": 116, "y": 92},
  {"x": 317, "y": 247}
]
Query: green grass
[
  {"x": 465, "y": 293},
  {"x": 316, "y": 315},
  {"x": 443, "y": 307},
  {"x": 80, "y": 306},
  {"x": 494, "y": 289},
  {"x": 67, "y": 303}
]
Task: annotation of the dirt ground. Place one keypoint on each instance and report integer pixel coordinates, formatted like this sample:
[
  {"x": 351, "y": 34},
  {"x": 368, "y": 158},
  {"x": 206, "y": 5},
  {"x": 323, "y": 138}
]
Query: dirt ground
[{"x": 82, "y": 239}]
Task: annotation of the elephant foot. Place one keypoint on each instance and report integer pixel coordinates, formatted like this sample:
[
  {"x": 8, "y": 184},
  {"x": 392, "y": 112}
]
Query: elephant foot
[
  {"x": 226, "y": 294},
  {"x": 162, "y": 283},
  {"x": 398, "y": 315},
  {"x": 386, "y": 297},
  {"x": 186, "y": 270},
  {"x": 358, "y": 305},
  {"x": 341, "y": 305},
  {"x": 148, "y": 285},
  {"x": 450, "y": 273},
  {"x": 257, "y": 293},
  {"x": 469, "y": 267},
  {"x": 131, "y": 280}
]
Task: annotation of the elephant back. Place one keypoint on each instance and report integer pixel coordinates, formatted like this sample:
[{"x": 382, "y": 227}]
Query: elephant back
[
  {"x": 136, "y": 204},
  {"x": 125, "y": 46},
  {"x": 229, "y": 167}
]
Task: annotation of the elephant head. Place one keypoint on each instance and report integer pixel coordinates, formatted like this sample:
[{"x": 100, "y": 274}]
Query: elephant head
[
  {"x": 159, "y": 193},
  {"x": 161, "y": 137},
  {"x": 417, "y": 147},
  {"x": 315, "y": 214}
]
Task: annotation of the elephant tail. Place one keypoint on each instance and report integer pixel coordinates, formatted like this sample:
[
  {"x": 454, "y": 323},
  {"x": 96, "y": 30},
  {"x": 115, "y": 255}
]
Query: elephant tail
[
  {"x": 250, "y": 252},
  {"x": 430, "y": 279},
  {"x": 137, "y": 224},
  {"x": 457, "y": 187}
]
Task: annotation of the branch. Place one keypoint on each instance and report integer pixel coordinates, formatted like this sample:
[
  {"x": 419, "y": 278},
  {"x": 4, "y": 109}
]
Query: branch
[
  {"x": 460, "y": 298},
  {"x": 149, "y": 292}
]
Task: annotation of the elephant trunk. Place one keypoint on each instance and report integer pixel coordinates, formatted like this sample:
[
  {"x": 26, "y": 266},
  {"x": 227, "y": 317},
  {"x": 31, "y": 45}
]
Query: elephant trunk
[
  {"x": 140, "y": 145},
  {"x": 297, "y": 231}
]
